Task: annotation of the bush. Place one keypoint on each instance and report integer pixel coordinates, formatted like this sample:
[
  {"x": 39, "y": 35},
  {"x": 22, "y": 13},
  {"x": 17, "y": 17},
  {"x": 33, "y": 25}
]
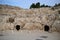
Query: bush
[
  {"x": 37, "y": 5},
  {"x": 53, "y": 8},
  {"x": 0, "y": 7},
  {"x": 32, "y": 6},
  {"x": 11, "y": 20},
  {"x": 59, "y": 11}
]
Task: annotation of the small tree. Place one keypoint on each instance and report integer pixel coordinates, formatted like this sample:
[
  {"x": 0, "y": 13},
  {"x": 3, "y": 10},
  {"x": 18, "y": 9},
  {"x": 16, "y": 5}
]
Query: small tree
[
  {"x": 57, "y": 5},
  {"x": 43, "y": 5},
  {"x": 35, "y": 6},
  {"x": 38, "y": 5},
  {"x": 32, "y": 6}
]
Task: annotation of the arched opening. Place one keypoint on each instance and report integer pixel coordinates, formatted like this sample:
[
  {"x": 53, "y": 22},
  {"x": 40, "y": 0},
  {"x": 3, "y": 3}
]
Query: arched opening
[
  {"x": 17, "y": 27},
  {"x": 46, "y": 28}
]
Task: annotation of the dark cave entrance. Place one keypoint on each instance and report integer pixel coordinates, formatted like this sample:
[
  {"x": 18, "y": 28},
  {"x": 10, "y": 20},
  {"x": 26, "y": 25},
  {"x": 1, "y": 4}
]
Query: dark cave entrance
[
  {"x": 46, "y": 28},
  {"x": 17, "y": 27}
]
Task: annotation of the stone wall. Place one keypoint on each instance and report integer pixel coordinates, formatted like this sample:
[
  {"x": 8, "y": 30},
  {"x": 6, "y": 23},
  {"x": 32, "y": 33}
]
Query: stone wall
[{"x": 29, "y": 19}]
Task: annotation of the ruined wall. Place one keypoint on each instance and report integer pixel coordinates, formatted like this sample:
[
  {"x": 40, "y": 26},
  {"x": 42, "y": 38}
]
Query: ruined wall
[{"x": 30, "y": 19}]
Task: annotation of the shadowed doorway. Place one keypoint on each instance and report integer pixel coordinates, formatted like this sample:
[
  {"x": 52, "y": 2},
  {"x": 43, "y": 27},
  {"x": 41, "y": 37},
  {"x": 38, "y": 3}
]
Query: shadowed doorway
[
  {"x": 46, "y": 28},
  {"x": 17, "y": 27}
]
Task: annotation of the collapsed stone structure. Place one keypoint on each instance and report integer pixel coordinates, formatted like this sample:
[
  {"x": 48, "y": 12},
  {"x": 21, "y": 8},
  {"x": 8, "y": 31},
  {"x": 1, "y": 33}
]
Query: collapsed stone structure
[{"x": 29, "y": 19}]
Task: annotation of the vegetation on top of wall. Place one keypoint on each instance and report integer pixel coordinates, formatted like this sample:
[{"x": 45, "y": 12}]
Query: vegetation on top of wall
[{"x": 37, "y": 5}]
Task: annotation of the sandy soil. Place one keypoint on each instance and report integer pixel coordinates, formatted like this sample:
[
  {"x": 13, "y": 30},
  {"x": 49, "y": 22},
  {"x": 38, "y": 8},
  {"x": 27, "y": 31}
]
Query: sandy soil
[{"x": 29, "y": 35}]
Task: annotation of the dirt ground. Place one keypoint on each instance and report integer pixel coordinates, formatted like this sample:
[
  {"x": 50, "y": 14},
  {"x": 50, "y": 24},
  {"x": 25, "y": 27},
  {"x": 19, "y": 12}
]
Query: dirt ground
[{"x": 28, "y": 35}]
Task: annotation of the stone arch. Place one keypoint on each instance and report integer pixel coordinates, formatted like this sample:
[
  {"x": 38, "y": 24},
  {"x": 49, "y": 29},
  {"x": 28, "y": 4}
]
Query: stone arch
[
  {"x": 46, "y": 28},
  {"x": 17, "y": 27}
]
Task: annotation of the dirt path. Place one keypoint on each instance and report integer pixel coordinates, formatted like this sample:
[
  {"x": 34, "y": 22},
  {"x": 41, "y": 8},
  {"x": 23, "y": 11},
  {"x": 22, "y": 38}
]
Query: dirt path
[{"x": 29, "y": 35}]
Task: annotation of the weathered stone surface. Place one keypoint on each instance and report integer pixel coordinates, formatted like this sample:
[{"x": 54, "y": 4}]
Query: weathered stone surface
[
  {"x": 32, "y": 26},
  {"x": 57, "y": 25},
  {"x": 29, "y": 18}
]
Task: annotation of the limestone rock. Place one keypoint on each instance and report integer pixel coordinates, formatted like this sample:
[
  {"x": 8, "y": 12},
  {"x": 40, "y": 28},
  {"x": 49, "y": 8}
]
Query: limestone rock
[
  {"x": 57, "y": 25},
  {"x": 31, "y": 26},
  {"x": 29, "y": 18}
]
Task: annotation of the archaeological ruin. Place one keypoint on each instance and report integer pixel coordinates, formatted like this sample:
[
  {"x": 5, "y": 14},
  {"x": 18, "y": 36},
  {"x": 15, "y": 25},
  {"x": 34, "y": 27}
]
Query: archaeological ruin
[{"x": 12, "y": 18}]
